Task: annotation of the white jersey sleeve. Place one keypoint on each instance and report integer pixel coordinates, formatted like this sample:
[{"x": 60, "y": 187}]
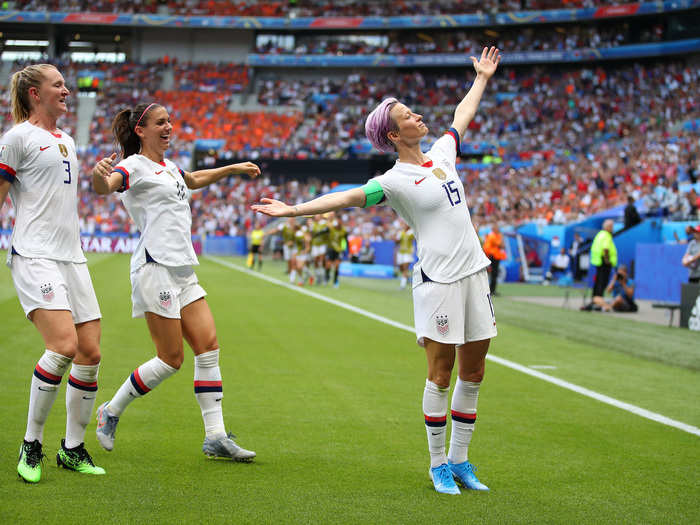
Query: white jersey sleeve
[
  {"x": 156, "y": 198},
  {"x": 43, "y": 170},
  {"x": 446, "y": 147}
]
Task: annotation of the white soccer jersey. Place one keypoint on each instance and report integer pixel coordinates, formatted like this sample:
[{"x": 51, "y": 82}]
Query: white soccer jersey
[
  {"x": 431, "y": 199},
  {"x": 157, "y": 199},
  {"x": 43, "y": 169}
]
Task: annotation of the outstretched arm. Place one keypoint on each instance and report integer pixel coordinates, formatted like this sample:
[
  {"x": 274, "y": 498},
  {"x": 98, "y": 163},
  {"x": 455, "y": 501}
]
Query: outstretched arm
[
  {"x": 323, "y": 204},
  {"x": 485, "y": 68},
  {"x": 201, "y": 178}
]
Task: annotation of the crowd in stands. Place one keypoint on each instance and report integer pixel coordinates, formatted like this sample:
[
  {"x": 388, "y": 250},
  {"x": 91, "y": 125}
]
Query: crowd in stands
[
  {"x": 302, "y": 8},
  {"x": 546, "y": 38},
  {"x": 548, "y": 144}
]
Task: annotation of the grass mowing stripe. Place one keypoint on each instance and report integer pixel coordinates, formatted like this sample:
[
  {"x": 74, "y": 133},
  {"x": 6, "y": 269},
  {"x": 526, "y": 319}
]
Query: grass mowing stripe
[{"x": 653, "y": 416}]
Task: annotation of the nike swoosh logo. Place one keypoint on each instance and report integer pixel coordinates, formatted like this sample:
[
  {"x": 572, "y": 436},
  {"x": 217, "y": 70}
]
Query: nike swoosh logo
[
  {"x": 45, "y": 147},
  {"x": 45, "y": 389},
  {"x": 219, "y": 399},
  {"x": 85, "y": 397},
  {"x": 417, "y": 182},
  {"x": 434, "y": 434},
  {"x": 159, "y": 172}
]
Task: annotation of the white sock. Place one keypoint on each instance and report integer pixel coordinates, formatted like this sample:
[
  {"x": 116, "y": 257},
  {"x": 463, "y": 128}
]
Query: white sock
[
  {"x": 209, "y": 392},
  {"x": 81, "y": 392},
  {"x": 435, "y": 411},
  {"x": 464, "y": 401},
  {"x": 141, "y": 381},
  {"x": 293, "y": 276},
  {"x": 45, "y": 383},
  {"x": 403, "y": 281}
]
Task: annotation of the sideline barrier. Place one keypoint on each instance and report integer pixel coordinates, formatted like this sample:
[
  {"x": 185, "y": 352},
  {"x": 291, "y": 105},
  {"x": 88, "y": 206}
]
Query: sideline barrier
[
  {"x": 103, "y": 243},
  {"x": 659, "y": 272},
  {"x": 375, "y": 271}
]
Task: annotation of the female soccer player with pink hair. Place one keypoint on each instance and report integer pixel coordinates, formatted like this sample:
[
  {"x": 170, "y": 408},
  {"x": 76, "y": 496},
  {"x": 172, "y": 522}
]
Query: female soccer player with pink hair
[{"x": 452, "y": 305}]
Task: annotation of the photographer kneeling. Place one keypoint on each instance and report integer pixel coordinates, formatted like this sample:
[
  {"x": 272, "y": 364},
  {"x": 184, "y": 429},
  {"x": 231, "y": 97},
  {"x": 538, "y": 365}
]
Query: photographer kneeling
[{"x": 622, "y": 289}]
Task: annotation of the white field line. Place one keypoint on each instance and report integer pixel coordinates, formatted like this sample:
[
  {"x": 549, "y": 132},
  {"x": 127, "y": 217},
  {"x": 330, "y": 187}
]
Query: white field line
[{"x": 659, "y": 418}]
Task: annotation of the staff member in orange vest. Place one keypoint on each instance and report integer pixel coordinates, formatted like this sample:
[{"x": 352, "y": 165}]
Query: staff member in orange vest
[{"x": 494, "y": 250}]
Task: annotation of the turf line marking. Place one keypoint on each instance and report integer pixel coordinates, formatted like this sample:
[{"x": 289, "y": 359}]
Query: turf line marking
[{"x": 653, "y": 416}]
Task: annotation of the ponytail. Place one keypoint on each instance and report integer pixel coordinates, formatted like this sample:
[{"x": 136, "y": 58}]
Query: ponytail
[
  {"x": 124, "y": 128},
  {"x": 29, "y": 77}
]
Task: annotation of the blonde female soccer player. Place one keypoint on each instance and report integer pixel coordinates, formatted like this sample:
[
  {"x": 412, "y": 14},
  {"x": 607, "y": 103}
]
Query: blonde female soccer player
[
  {"x": 452, "y": 304},
  {"x": 165, "y": 288},
  {"x": 39, "y": 169}
]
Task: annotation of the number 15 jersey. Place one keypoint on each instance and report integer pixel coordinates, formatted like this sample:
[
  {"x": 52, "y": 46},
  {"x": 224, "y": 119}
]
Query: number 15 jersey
[
  {"x": 431, "y": 199},
  {"x": 42, "y": 168}
]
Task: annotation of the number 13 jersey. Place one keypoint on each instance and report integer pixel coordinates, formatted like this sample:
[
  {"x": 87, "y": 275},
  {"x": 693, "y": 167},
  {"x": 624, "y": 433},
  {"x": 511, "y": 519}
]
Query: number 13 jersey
[
  {"x": 157, "y": 199},
  {"x": 42, "y": 168}
]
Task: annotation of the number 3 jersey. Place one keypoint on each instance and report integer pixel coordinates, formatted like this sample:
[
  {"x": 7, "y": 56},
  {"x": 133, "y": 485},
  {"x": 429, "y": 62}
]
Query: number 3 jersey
[
  {"x": 42, "y": 168},
  {"x": 157, "y": 199},
  {"x": 431, "y": 199}
]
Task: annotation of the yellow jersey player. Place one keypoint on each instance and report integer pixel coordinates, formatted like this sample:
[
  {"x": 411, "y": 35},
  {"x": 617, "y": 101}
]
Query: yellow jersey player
[
  {"x": 302, "y": 249},
  {"x": 287, "y": 230},
  {"x": 257, "y": 236},
  {"x": 337, "y": 237},
  {"x": 319, "y": 246},
  {"x": 404, "y": 254}
]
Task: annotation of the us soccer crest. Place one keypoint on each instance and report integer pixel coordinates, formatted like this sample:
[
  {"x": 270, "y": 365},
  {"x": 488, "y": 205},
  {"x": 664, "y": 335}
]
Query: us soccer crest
[
  {"x": 62, "y": 148},
  {"x": 47, "y": 291},
  {"x": 443, "y": 325},
  {"x": 439, "y": 174},
  {"x": 164, "y": 297}
]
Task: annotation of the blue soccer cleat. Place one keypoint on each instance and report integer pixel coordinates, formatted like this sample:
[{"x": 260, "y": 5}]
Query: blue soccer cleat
[
  {"x": 464, "y": 474},
  {"x": 443, "y": 480}
]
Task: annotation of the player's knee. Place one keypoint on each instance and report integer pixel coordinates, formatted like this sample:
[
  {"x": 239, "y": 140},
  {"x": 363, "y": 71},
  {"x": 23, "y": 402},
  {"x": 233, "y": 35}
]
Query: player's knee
[
  {"x": 66, "y": 346},
  {"x": 475, "y": 376},
  {"x": 89, "y": 354},
  {"x": 212, "y": 344},
  {"x": 441, "y": 378},
  {"x": 174, "y": 359}
]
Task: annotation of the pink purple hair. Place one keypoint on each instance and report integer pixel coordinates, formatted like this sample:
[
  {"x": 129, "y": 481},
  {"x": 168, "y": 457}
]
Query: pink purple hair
[{"x": 379, "y": 123}]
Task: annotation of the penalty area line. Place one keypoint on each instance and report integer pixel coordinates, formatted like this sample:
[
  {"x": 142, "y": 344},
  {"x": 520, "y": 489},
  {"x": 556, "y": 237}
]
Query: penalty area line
[{"x": 647, "y": 414}]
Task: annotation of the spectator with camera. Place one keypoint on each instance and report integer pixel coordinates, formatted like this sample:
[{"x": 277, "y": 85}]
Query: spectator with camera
[
  {"x": 691, "y": 259},
  {"x": 622, "y": 289}
]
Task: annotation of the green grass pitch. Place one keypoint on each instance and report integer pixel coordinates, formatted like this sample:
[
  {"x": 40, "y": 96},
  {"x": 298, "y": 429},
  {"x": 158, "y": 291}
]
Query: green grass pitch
[{"x": 331, "y": 402}]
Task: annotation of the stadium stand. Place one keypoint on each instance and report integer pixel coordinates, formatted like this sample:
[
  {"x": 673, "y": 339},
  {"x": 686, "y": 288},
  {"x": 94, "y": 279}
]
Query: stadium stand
[{"x": 553, "y": 143}]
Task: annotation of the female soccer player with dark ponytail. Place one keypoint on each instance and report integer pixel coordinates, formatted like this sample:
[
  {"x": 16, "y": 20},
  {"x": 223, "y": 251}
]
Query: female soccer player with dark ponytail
[{"x": 165, "y": 289}]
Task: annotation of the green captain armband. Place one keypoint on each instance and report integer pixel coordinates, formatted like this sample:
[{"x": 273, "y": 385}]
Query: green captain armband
[{"x": 373, "y": 192}]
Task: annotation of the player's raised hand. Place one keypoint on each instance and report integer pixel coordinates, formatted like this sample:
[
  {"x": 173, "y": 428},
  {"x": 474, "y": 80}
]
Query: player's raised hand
[
  {"x": 274, "y": 208},
  {"x": 104, "y": 167},
  {"x": 247, "y": 168},
  {"x": 488, "y": 62}
]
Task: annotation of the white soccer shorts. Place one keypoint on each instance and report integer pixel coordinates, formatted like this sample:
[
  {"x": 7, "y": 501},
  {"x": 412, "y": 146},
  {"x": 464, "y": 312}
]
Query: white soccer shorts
[
  {"x": 163, "y": 290},
  {"x": 404, "y": 258},
  {"x": 55, "y": 285},
  {"x": 454, "y": 313},
  {"x": 318, "y": 251}
]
